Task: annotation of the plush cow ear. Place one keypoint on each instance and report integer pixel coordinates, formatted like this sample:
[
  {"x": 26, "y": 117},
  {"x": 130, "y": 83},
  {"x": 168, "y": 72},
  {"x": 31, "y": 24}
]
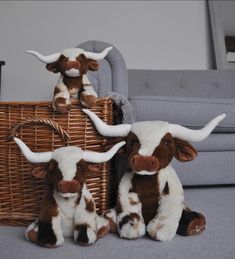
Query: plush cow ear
[
  {"x": 53, "y": 67},
  {"x": 92, "y": 64},
  {"x": 184, "y": 151},
  {"x": 39, "y": 172},
  {"x": 94, "y": 167}
]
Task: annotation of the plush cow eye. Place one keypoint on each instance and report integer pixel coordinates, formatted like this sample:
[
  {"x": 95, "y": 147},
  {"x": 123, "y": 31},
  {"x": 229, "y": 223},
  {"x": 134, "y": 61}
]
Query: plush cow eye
[{"x": 167, "y": 142}]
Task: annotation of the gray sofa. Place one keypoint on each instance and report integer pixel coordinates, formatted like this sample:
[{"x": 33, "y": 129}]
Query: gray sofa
[{"x": 189, "y": 98}]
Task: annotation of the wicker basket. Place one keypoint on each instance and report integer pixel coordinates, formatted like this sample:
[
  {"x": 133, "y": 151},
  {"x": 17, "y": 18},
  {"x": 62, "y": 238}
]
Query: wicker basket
[{"x": 20, "y": 192}]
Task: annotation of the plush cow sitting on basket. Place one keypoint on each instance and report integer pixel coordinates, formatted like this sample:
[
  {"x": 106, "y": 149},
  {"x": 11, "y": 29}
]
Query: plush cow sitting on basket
[
  {"x": 68, "y": 208},
  {"x": 150, "y": 196},
  {"x": 73, "y": 65}
]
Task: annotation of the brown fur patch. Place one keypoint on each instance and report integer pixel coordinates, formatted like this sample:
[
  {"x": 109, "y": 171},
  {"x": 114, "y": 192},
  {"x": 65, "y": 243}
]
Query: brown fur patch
[
  {"x": 89, "y": 100},
  {"x": 90, "y": 206},
  {"x": 165, "y": 151},
  {"x": 147, "y": 189},
  {"x": 166, "y": 189},
  {"x": 49, "y": 207},
  {"x": 73, "y": 82},
  {"x": 56, "y": 90}
]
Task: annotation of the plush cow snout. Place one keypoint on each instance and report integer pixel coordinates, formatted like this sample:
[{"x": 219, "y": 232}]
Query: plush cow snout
[
  {"x": 72, "y": 64},
  {"x": 68, "y": 186},
  {"x": 144, "y": 163}
]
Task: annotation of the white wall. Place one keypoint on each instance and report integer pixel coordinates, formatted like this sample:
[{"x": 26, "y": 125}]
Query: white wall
[{"x": 150, "y": 35}]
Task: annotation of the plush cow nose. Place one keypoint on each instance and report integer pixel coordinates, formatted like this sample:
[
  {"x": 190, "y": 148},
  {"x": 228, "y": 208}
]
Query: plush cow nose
[
  {"x": 72, "y": 64},
  {"x": 146, "y": 163},
  {"x": 68, "y": 186}
]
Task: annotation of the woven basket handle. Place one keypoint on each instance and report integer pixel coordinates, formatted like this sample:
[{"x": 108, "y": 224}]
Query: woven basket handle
[{"x": 41, "y": 121}]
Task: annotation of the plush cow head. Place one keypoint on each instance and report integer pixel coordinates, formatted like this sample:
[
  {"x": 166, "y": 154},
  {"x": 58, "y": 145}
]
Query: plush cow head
[
  {"x": 152, "y": 145},
  {"x": 67, "y": 166},
  {"x": 72, "y": 62}
]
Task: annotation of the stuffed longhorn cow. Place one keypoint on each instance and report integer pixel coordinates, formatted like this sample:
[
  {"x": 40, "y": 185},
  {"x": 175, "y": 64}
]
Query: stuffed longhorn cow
[
  {"x": 67, "y": 208},
  {"x": 150, "y": 196},
  {"x": 73, "y": 82}
]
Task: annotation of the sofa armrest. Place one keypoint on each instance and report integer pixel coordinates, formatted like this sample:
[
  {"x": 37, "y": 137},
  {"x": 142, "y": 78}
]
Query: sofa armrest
[{"x": 117, "y": 63}]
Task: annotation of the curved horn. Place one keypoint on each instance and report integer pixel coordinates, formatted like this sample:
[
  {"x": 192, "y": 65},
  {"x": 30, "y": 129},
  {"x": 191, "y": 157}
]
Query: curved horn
[
  {"x": 98, "y": 56},
  {"x": 33, "y": 157},
  {"x": 195, "y": 135},
  {"x": 121, "y": 130},
  {"x": 96, "y": 157},
  {"x": 46, "y": 59}
]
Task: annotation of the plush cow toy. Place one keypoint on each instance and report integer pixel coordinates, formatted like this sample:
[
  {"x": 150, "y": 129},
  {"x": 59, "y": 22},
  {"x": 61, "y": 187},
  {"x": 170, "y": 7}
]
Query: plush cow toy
[
  {"x": 73, "y": 82},
  {"x": 68, "y": 208},
  {"x": 150, "y": 196}
]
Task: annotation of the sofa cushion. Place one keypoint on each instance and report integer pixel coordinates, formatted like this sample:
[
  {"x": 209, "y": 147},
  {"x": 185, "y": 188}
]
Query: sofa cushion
[
  {"x": 217, "y": 241},
  {"x": 184, "y": 83},
  {"x": 187, "y": 111},
  {"x": 208, "y": 168}
]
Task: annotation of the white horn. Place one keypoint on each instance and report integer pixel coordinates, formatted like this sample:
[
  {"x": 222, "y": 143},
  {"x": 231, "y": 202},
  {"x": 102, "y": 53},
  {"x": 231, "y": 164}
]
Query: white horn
[
  {"x": 46, "y": 59},
  {"x": 98, "y": 56},
  {"x": 121, "y": 130},
  {"x": 96, "y": 157},
  {"x": 33, "y": 157},
  {"x": 195, "y": 135}
]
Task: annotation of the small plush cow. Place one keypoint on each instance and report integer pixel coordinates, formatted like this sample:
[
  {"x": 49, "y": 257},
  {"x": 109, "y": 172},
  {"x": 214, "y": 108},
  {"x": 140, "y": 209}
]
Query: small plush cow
[
  {"x": 67, "y": 208},
  {"x": 150, "y": 196},
  {"x": 73, "y": 65}
]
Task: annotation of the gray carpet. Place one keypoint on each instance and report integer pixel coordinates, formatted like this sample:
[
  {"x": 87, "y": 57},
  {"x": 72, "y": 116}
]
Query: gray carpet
[{"x": 218, "y": 241}]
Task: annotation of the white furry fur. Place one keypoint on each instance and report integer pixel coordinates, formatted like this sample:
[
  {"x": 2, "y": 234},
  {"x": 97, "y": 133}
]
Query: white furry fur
[
  {"x": 67, "y": 158},
  {"x": 164, "y": 226},
  {"x": 149, "y": 134}
]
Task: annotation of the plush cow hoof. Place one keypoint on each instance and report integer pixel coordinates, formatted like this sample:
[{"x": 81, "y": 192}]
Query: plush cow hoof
[
  {"x": 32, "y": 235},
  {"x": 191, "y": 223},
  {"x": 88, "y": 100},
  {"x": 111, "y": 216},
  {"x": 62, "y": 109},
  {"x": 103, "y": 231},
  {"x": 112, "y": 225}
]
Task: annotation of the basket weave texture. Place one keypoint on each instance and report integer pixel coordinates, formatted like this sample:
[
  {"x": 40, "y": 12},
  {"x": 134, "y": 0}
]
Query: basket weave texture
[{"x": 20, "y": 192}]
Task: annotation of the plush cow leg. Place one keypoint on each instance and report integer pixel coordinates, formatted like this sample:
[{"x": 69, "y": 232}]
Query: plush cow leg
[
  {"x": 61, "y": 102},
  {"x": 85, "y": 225},
  {"x": 164, "y": 226},
  {"x": 130, "y": 225},
  {"x": 88, "y": 97},
  {"x": 130, "y": 222},
  {"x": 102, "y": 226},
  {"x": 191, "y": 223},
  {"x": 111, "y": 216},
  {"x": 49, "y": 231},
  {"x": 31, "y": 233}
]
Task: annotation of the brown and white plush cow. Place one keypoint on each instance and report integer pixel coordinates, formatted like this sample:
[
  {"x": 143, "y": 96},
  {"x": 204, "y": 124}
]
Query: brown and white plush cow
[
  {"x": 73, "y": 82},
  {"x": 150, "y": 196},
  {"x": 67, "y": 208}
]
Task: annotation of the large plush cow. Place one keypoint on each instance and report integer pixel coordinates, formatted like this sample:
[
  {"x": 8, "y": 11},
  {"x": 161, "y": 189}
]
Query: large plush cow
[
  {"x": 73, "y": 65},
  {"x": 150, "y": 196},
  {"x": 67, "y": 208}
]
